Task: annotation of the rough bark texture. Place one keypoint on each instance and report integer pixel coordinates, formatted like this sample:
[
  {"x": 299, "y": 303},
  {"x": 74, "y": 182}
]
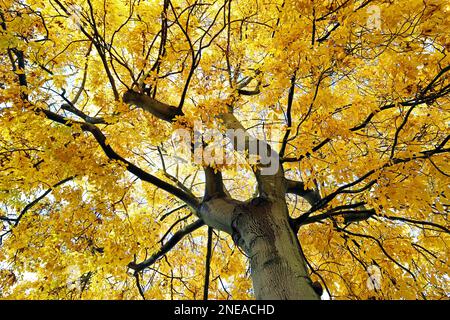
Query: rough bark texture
[
  {"x": 278, "y": 269},
  {"x": 261, "y": 228}
]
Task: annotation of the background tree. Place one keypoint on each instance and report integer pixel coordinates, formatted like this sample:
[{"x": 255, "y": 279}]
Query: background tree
[{"x": 95, "y": 204}]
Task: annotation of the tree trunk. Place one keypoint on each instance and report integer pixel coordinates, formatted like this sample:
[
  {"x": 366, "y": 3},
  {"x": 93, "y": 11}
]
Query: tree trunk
[{"x": 278, "y": 268}]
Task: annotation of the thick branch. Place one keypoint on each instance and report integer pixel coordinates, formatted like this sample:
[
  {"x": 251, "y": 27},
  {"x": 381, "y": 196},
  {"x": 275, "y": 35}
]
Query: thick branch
[
  {"x": 213, "y": 184},
  {"x": 349, "y": 216},
  {"x": 298, "y": 188},
  {"x": 159, "y": 109}
]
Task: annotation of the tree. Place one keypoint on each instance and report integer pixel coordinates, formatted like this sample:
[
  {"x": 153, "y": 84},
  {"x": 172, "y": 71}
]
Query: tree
[{"x": 349, "y": 98}]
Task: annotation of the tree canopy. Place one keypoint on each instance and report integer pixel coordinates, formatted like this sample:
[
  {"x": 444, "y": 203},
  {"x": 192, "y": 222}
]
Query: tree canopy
[{"x": 353, "y": 95}]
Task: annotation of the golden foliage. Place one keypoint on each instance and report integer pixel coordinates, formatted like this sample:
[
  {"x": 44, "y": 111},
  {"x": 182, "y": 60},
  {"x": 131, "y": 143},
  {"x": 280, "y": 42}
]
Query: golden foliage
[{"x": 77, "y": 241}]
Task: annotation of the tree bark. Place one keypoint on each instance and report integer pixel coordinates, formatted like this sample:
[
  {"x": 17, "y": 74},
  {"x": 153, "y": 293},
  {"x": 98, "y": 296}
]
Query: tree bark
[
  {"x": 278, "y": 268},
  {"x": 261, "y": 228}
]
